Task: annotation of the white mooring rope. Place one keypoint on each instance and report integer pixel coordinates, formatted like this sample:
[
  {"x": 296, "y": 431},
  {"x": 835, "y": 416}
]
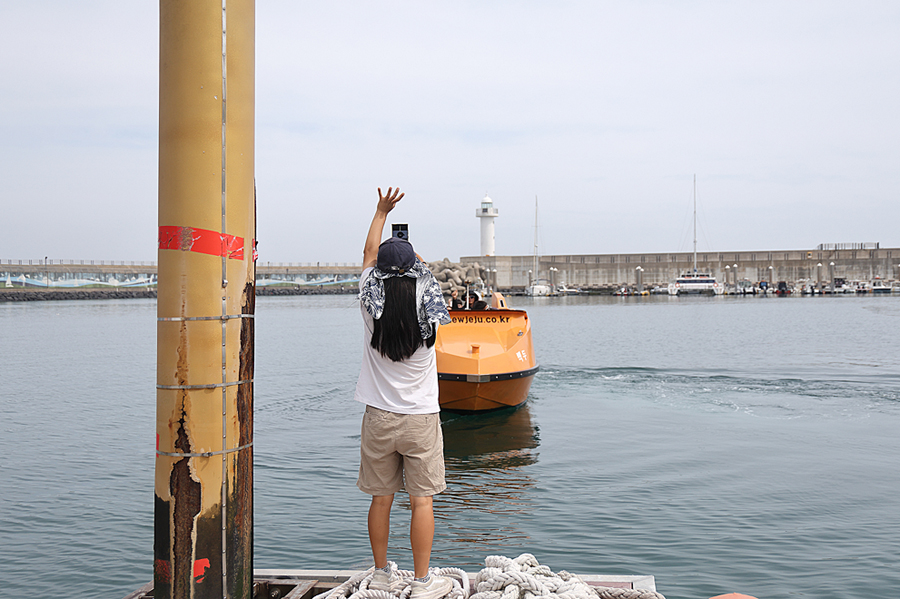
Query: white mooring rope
[{"x": 502, "y": 578}]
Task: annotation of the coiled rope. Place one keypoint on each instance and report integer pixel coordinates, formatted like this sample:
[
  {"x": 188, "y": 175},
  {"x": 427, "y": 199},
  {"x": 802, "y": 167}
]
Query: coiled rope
[{"x": 501, "y": 578}]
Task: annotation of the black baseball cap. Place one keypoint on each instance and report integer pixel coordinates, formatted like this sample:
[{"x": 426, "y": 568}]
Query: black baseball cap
[{"x": 396, "y": 255}]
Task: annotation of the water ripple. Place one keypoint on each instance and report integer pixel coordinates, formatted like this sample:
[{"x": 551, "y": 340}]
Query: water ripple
[{"x": 788, "y": 397}]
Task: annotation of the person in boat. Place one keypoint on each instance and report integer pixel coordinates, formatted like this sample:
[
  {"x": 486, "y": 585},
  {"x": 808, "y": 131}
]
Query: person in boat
[
  {"x": 455, "y": 303},
  {"x": 401, "y": 443},
  {"x": 474, "y": 302}
]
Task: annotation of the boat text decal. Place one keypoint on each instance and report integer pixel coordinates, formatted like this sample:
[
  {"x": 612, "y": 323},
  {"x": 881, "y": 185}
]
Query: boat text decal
[{"x": 479, "y": 319}]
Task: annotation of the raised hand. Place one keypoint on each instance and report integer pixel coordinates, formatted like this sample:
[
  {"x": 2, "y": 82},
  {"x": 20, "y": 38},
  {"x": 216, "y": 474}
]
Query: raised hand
[{"x": 386, "y": 202}]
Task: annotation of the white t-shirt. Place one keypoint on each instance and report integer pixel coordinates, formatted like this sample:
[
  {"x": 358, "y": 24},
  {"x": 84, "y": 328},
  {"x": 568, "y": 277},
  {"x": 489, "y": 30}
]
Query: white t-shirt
[{"x": 406, "y": 387}]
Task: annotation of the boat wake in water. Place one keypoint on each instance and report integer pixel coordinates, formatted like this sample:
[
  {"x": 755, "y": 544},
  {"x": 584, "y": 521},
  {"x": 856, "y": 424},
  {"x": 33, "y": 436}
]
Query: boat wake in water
[{"x": 786, "y": 397}]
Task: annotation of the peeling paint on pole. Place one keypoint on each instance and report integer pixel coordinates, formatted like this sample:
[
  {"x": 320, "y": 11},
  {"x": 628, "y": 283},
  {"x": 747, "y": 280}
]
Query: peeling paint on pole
[{"x": 203, "y": 520}]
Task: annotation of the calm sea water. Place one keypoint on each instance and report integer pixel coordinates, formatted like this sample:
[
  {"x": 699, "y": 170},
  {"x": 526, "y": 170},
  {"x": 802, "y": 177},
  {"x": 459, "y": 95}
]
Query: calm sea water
[{"x": 720, "y": 444}]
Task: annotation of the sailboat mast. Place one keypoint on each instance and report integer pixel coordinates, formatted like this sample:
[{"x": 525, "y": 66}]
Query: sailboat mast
[
  {"x": 535, "y": 261},
  {"x": 695, "y": 224}
]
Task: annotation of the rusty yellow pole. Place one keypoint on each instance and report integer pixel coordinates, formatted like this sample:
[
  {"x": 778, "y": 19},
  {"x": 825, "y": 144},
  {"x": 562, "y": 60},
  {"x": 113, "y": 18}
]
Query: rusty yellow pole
[{"x": 203, "y": 539}]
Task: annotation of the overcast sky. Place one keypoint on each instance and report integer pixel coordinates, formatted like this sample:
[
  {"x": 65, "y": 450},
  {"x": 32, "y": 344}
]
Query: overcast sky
[{"x": 787, "y": 112}]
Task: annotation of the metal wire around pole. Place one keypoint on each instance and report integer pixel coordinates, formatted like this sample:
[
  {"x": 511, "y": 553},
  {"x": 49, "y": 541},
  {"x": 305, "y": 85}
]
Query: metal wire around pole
[{"x": 224, "y": 490}]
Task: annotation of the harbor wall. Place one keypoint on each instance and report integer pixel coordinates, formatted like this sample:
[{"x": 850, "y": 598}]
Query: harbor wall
[
  {"x": 604, "y": 270},
  {"x": 512, "y": 272}
]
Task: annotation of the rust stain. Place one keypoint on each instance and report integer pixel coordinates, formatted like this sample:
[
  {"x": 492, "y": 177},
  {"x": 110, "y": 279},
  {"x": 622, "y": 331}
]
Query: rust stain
[
  {"x": 187, "y": 238},
  {"x": 240, "y": 503},
  {"x": 174, "y": 540},
  {"x": 246, "y": 366},
  {"x": 185, "y": 491},
  {"x": 186, "y": 499}
]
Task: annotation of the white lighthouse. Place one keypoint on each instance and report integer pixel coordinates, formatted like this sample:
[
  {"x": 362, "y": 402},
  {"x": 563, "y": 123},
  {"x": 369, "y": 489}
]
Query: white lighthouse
[{"x": 487, "y": 213}]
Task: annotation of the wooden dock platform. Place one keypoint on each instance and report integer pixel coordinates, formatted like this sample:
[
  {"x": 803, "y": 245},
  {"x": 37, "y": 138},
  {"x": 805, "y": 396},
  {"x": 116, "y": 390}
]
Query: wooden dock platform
[{"x": 306, "y": 584}]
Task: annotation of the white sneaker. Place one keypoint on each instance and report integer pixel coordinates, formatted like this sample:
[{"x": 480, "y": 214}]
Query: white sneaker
[
  {"x": 435, "y": 588},
  {"x": 382, "y": 581}
]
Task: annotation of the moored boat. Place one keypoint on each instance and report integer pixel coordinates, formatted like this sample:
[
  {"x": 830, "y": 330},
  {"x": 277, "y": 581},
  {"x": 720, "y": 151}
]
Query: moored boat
[
  {"x": 485, "y": 358},
  {"x": 563, "y": 289},
  {"x": 695, "y": 282},
  {"x": 539, "y": 288},
  {"x": 879, "y": 285}
]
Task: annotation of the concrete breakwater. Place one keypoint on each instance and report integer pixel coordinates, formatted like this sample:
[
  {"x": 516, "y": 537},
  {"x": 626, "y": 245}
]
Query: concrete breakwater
[
  {"x": 456, "y": 275},
  {"x": 597, "y": 273},
  {"x": 49, "y": 280},
  {"x": 600, "y": 271},
  {"x": 450, "y": 275}
]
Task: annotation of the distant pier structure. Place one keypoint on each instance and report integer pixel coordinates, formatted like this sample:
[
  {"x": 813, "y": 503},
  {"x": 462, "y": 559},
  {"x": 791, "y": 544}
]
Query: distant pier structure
[
  {"x": 49, "y": 272},
  {"x": 852, "y": 262},
  {"x": 487, "y": 213}
]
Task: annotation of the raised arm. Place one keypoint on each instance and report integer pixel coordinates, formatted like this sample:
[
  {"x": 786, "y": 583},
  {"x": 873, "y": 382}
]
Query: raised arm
[{"x": 386, "y": 203}]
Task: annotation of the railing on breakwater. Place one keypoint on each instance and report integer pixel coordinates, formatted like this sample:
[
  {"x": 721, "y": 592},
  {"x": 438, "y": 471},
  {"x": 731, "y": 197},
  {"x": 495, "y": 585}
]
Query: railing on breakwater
[{"x": 50, "y": 273}]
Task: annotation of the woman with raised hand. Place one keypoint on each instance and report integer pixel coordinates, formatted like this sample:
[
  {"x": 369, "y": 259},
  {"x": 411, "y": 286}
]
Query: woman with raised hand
[{"x": 401, "y": 446}]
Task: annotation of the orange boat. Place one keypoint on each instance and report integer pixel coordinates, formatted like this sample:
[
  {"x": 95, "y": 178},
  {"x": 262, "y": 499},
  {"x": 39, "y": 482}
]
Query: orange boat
[{"x": 485, "y": 358}]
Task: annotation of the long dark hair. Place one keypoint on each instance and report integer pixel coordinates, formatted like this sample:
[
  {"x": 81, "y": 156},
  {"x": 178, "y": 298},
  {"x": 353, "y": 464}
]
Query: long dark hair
[{"x": 396, "y": 334}]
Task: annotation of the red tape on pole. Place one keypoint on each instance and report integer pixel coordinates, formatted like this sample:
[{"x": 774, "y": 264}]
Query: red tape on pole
[{"x": 189, "y": 239}]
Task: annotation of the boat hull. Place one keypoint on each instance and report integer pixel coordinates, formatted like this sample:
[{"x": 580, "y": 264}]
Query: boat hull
[
  {"x": 539, "y": 289},
  {"x": 696, "y": 285},
  {"x": 485, "y": 360},
  {"x": 703, "y": 291},
  {"x": 461, "y": 393}
]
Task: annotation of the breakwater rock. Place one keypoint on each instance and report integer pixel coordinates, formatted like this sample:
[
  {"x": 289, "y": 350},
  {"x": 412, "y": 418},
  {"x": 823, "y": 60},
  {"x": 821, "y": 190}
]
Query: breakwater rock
[
  {"x": 350, "y": 288},
  {"x": 38, "y": 295},
  {"x": 454, "y": 275}
]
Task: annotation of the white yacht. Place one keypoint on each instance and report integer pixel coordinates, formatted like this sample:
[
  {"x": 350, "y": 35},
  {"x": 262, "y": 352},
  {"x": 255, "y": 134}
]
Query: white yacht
[
  {"x": 879, "y": 285},
  {"x": 696, "y": 282},
  {"x": 563, "y": 289},
  {"x": 537, "y": 287}
]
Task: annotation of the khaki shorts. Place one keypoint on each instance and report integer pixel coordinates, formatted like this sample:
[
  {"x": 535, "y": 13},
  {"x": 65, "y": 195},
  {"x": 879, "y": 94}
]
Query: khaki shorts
[{"x": 398, "y": 446}]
